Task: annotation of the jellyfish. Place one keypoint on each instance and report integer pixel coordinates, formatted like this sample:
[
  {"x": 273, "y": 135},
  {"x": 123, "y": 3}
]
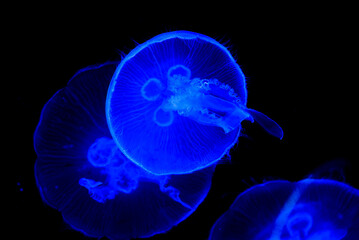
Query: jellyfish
[
  {"x": 311, "y": 209},
  {"x": 176, "y": 102},
  {"x": 82, "y": 173}
]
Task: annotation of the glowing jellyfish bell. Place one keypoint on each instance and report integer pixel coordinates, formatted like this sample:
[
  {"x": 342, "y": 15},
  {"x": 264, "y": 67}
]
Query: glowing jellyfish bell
[
  {"x": 280, "y": 210},
  {"x": 81, "y": 172},
  {"x": 176, "y": 102}
]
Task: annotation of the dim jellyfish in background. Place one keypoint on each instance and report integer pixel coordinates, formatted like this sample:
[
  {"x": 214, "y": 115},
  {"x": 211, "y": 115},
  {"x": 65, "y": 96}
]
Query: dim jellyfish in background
[
  {"x": 311, "y": 209},
  {"x": 81, "y": 172},
  {"x": 176, "y": 102}
]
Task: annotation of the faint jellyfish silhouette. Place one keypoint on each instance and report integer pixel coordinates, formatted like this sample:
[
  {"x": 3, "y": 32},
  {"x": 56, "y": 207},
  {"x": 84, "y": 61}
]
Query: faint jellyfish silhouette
[
  {"x": 311, "y": 209},
  {"x": 81, "y": 172},
  {"x": 176, "y": 103},
  {"x": 334, "y": 169}
]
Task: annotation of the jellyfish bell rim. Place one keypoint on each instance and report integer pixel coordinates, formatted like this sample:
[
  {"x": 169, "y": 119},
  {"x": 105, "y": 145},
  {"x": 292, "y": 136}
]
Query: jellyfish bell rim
[
  {"x": 330, "y": 182},
  {"x": 181, "y": 34},
  {"x": 253, "y": 188},
  {"x": 40, "y": 189}
]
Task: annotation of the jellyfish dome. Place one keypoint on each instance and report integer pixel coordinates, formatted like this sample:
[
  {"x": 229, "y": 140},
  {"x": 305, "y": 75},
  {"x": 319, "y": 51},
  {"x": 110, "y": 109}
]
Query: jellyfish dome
[
  {"x": 82, "y": 173},
  {"x": 176, "y": 102},
  {"x": 281, "y": 210}
]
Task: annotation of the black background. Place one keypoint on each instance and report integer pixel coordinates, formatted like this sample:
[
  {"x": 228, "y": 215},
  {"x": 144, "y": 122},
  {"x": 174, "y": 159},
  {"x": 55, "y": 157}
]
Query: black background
[{"x": 296, "y": 58}]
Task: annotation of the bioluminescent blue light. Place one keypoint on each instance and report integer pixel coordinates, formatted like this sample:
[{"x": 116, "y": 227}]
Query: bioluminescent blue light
[
  {"x": 81, "y": 172},
  {"x": 176, "y": 103},
  {"x": 310, "y": 209}
]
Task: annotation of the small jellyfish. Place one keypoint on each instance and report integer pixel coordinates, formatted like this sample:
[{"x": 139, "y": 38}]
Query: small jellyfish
[
  {"x": 81, "y": 172},
  {"x": 311, "y": 209},
  {"x": 176, "y": 102}
]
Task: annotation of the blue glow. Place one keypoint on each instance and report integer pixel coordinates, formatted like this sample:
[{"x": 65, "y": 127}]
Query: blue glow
[
  {"x": 122, "y": 176},
  {"x": 280, "y": 210},
  {"x": 176, "y": 102},
  {"x": 299, "y": 224},
  {"x": 101, "y": 153},
  {"x": 195, "y": 99},
  {"x": 163, "y": 117},
  {"x": 81, "y": 172},
  {"x": 152, "y": 89}
]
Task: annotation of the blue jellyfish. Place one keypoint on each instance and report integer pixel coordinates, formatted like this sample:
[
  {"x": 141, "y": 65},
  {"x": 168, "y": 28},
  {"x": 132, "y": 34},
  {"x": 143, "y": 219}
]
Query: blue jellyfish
[
  {"x": 280, "y": 210},
  {"x": 176, "y": 102},
  {"x": 81, "y": 172}
]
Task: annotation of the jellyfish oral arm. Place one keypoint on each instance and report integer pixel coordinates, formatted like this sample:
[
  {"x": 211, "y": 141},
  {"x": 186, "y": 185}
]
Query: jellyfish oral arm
[
  {"x": 120, "y": 174},
  {"x": 172, "y": 192},
  {"x": 206, "y": 101},
  {"x": 265, "y": 122},
  {"x": 214, "y": 111},
  {"x": 219, "y": 112},
  {"x": 97, "y": 190}
]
